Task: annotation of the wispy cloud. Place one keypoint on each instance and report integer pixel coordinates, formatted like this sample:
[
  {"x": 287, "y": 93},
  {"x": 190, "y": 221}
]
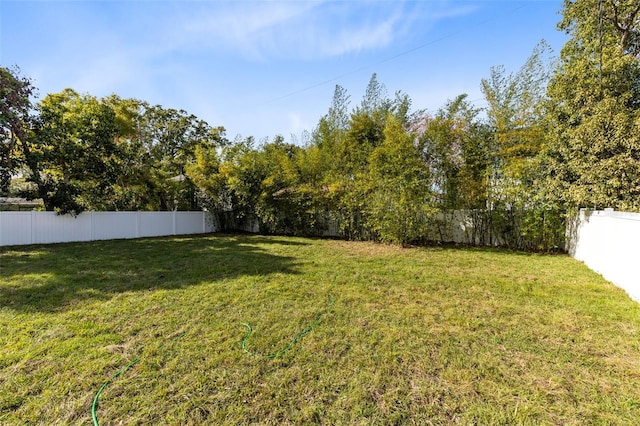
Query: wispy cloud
[
  {"x": 306, "y": 30},
  {"x": 135, "y": 38},
  {"x": 194, "y": 54}
]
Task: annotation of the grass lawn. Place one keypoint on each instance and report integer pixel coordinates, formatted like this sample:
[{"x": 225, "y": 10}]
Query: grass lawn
[{"x": 415, "y": 336}]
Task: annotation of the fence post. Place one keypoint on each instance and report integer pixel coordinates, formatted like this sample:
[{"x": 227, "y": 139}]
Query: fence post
[
  {"x": 32, "y": 219},
  {"x": 93, "y": 227},
  {"x": 174, "y": 217}
]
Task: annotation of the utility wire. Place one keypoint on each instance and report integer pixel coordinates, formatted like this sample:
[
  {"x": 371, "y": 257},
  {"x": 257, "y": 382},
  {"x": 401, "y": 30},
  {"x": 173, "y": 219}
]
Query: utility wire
[{"x": 393, "y": 57}]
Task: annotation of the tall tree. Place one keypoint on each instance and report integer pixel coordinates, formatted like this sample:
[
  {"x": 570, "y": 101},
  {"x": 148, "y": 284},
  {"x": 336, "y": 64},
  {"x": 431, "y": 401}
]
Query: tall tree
[
  {"x": 523, "y": 213},
  {"x": 71, "y": 153},
  {"x": 129, "y": 190},
  {"x": 516, "y": 112},
  {"x": 16, "y": 94},
  {"x": 375, "y": 97},
  {"x": 169, "y": 138},
  {"x": 459, "y": 154},
  {"x": 397, "y": 190},
  {"x": 593, "y": 157},
  {"x": 229, "y": 179},
  {"x": 334, "y": 123},
  {"x": 365, "y": 130}
]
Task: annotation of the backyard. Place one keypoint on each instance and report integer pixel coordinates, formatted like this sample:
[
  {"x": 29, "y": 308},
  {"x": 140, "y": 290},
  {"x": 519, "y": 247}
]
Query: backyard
[{"x": 342, "y": 333}]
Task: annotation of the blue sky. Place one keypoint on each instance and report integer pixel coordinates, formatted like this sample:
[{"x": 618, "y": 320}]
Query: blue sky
[{"x": 267, "y": 67}]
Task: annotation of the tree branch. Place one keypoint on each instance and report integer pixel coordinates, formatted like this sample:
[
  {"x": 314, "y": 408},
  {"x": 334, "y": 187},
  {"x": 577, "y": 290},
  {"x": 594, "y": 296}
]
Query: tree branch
[{"x": 626, "y": 28}]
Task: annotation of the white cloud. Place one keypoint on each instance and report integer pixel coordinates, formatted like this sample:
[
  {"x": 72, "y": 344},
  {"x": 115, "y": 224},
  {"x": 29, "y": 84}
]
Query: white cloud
[
  {"x": 305, "y": 30},
  {"x": 109, "y": 57},
  {"x": 193, "y": 55},
  {"x": 354, "y": 29},
  {"x": 248, "y": 29}
]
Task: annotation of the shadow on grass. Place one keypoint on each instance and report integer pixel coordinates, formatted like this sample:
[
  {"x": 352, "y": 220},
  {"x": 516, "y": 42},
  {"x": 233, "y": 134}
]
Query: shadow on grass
[{"x": 49, "y": 278}]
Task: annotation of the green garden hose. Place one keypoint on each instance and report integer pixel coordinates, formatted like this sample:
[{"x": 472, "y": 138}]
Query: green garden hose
[
  {"x": 293, "y": 341},
  {"x": 94, "y": 406}
]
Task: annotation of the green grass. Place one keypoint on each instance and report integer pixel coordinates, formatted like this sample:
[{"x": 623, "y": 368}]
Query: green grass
[{"x": 416, "y": 336}]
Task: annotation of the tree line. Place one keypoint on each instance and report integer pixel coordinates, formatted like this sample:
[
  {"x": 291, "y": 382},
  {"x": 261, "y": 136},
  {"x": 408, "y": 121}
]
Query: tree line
[
  {"x": 556, "y": 135},
  {"x": 78, "y": 152}
]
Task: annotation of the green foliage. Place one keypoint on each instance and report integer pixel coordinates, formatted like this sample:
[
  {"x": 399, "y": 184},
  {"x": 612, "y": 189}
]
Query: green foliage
[
  {"x": 278, "y": 185},
  {"x": 549, "y": 141},
  {"x": 129, "y": 190},
  {"x": 290, "y": 189},
  {"x": 515, "y": 113},
  {"x": 522, "y": 212},
  {"x": 375, "y": 98},
  {"x": 15, "y": 120},
  {"x": 79, "y": 152},
  {"x": 385, "y": 173},
  {"x": 240, "y": 178},
  {"x": 459, "y": 152},
  {"x": 168, "y": 139},
  {"x": 593, "y": 157},
  {"x": 72, "y": 153},
  {"x": 397, "y": 196},
  {"x": 332, "y": 127},
  {"x": 348, "y": 192},
  {"x": 379, "y": 171},
  {"x": 280, "y": 204}
]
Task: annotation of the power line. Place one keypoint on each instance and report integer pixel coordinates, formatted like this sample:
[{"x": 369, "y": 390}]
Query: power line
[{"x": 391, "y": 58}]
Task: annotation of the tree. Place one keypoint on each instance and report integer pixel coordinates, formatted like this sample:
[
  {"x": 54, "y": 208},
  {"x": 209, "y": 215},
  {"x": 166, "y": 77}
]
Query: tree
[
  {"x": 169, "y": 139},
  {"x": 593, "y": 157},
  {"x": 129, "y": 189},
  {"x": 397, "y": 188},
  {"x": 516, "y": 113},
  {"x": 365, "y": 130},
  {"x": 213, "y": 186},
  {"x": 229, "y": 178},
  {"x": 523, "y": 213},
  {"x": 71, "y": 152},
  {"x": 459, "y": 154},
  {"x": 284, "y": 203},
  {"x": 375, "y": 97},
  {"x": 334, "y": 124},
  {"x": 329, "y": 140},
  {"x": 15, "y": 120}
]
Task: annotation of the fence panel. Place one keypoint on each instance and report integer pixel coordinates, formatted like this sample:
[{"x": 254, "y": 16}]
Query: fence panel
[
  {"x": 114, "y": 225},
  {"x": 156, "y": 224},
  {"x": 20, "y": 228},
  {"x": 15, "y": 228},
  {"x": 190, "y": 223},
  {"x": 49, "y": 227},
  {"x": 608, "y": 242}
]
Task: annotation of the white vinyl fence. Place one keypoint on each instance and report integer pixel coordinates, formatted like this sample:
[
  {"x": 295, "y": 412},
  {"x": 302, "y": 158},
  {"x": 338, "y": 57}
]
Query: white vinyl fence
[
  {"x": 608, "y": 242},
  {"x": 35, "y": 227}
]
